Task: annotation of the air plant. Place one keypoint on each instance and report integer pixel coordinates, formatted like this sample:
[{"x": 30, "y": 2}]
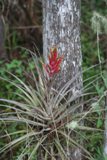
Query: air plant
[
  {"x": 53, "y": 66},
  {"x": 49, "y": 119}
]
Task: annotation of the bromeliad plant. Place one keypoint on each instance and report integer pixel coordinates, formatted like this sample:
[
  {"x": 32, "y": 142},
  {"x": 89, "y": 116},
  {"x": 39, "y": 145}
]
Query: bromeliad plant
[
  {"x": 53, "y": 66},
  {"x": 45, "y": 117}
]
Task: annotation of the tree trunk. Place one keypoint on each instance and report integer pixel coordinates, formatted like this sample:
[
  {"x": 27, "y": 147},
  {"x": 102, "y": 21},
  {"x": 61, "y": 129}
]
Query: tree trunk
[
  {"x": 3, "y": 54},
  {"x": 105, "y": 131},
  {"x": 61, "y": 28}
]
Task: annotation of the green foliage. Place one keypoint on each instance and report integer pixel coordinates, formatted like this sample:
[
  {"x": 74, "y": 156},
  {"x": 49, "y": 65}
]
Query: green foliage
[
  {"x": 93, "y": 53},
  {"x": 41, "y": 114}
]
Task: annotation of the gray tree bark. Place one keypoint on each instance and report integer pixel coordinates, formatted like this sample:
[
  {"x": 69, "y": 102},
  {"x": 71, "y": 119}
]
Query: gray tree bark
[
  {"x": 105, "y": 131},
  {"x": 3, "y": 54},
  {"x": 61, "y": 28}
]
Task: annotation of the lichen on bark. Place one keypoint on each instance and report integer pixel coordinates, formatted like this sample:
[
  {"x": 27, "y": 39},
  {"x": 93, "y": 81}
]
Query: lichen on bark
[{"x": 61, "y": 28}]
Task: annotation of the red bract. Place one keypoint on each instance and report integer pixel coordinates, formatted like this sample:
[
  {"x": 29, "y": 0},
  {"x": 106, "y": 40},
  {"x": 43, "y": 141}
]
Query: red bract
[{"x": 53, "y": 66}]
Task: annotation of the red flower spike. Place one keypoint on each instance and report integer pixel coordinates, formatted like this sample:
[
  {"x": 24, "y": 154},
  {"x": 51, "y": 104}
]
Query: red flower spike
[{"x": 53, "y": 66}]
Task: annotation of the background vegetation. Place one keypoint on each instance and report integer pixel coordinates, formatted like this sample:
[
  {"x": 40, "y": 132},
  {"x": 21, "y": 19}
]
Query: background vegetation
[{"x": 23, "y": 29}]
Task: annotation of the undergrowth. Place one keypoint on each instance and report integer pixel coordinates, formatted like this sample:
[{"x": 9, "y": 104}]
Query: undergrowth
[{"x": 45, "y": 122}]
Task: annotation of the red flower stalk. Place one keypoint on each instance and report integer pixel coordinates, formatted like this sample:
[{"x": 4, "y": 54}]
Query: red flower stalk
[{"x": 53, "y": 66}]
